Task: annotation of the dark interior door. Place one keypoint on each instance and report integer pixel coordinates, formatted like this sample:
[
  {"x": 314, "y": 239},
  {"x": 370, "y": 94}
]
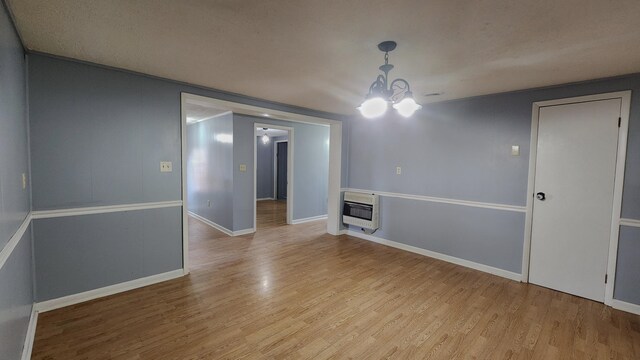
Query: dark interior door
[{"x": 281, "y": 153}]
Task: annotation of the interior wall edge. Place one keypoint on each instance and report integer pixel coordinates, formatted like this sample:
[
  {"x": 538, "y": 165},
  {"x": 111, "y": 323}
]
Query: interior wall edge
[
  {"x": 13, "y": 23},
  {"x": 31, "y": 334}
]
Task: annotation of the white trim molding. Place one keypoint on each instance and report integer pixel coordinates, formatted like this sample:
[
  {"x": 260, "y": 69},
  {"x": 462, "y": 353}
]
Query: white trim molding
[
  {"x": 211, "y": 223},
  {"x": 243, "y": 232},
  {"x": 629, "y": 222},
  {"x": 46, "y": 214},
  {"x": 220, "y": 227},
  {"x": 625, "y": 104},
  {"x": 436, "y": 255},
  {"x": 625, "y": 306},
  {"x": 265, "y": 199},
  {"x": 27, "y": 348},
  {"x": 309, "y": 219},
  {"x": 7, "y": 250},
  {"x": 477, "y": 204},
  {"x": 64, "y": 301}
]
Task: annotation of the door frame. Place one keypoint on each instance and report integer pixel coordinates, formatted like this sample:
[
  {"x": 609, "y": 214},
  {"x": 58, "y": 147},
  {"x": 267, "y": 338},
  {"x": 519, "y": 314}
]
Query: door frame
[
  {"x": 335, "y": 156},
  {"x": 625, "y": 97},
  {"x": 275, "y": 167},
  {"x": 290, "y": 194}
]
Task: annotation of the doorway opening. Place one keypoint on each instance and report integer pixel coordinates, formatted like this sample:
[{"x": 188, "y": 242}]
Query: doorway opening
[
  {"x": 244, "y": 200},
  {"x": 273, "y": 175}
]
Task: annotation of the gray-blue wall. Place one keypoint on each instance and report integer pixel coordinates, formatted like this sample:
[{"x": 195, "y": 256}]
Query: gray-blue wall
[
  {"x": 16, "y": 278},
  {"x": 16, "y": 299},
  {"x": 210, "y": 170},
  {"x": 80, "y": 253},
  {"x": 97, "y": 138},
  {"x": 264, "y": 169},
  {"x": 310, "y": 168},
  {"x": 14, "y": 156},
  {"x": 627, "y": 286},
  {"x": 461, "y": 150}
]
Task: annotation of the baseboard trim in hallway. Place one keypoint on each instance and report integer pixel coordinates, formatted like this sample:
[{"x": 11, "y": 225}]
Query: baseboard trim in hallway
[{"x": 220, "y": 227}]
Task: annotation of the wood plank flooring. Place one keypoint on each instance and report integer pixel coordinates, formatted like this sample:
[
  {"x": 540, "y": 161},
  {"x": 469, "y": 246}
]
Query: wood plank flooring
[
  {"x": 293, "y": 292},
  {"x": 270, "y": 213}
]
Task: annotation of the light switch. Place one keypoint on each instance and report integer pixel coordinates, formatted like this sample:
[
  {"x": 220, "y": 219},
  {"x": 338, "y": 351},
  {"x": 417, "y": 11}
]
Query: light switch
[
  {"x": 24, "y": 181},
  {"x": 515, "y": 150},
  {"x": 165, "y": 166},
  {"x": 398, "y": 170},
  {"x": 243, "y": 167}
]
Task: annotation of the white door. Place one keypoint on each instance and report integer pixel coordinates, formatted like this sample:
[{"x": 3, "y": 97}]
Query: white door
[{"x": 574, "y": 183}]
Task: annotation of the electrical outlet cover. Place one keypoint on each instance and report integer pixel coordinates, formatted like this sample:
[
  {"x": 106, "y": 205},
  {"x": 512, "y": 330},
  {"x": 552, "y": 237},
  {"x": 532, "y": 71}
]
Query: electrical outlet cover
[{"x": 165, "y": 166}]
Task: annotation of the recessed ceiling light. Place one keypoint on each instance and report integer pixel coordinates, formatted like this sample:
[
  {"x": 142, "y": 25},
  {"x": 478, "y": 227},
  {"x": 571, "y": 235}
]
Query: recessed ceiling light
[{"x": 266, "y": 115}]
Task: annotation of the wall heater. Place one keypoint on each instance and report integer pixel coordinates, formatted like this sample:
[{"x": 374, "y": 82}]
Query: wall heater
[{"x": 360, "y": 209}]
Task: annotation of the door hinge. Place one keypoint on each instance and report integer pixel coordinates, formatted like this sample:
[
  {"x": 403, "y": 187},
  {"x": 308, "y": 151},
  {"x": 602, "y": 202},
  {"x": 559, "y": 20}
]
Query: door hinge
[
  {"x": 619, "y": 121},
  {"x": 606, "y": 277}
]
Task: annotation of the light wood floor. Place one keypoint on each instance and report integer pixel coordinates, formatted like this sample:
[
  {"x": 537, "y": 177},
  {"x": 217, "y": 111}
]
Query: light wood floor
[
  {"x": 270, "y": 213},
  {"x": 291, "y": 292}
]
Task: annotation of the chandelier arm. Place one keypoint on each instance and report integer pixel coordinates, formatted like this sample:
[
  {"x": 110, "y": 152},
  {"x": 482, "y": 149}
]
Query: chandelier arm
[
  {"x": 379, "y": 86},
  {"x": 401, "y": 81}
]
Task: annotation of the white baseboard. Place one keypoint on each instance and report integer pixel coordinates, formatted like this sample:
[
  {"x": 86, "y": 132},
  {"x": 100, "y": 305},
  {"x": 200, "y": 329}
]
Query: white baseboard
[
  {"x": 313, "y": 218},
  {"x": 31, "y": 334},
  {"x": 625, "y": 306},
  {"x": 267, "y": 198},
  {"x": 454, "y": 260},
  {"x": 211, "y": 223},
  {"x": 243, "y": 232},
  {"x": 222, "y": 228},
  {"x": 53, "y": 304}
]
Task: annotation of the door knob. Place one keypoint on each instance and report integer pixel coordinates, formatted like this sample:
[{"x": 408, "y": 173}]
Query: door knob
[{"x": 541, "y": 196}]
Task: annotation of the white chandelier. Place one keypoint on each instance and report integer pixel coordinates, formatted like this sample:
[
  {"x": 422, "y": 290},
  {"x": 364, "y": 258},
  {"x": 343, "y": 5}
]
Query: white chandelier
[{"x": 382, "y": 93}]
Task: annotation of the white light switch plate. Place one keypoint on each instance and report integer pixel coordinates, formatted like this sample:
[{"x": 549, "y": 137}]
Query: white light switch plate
[
  {"x": 243, "y": 167},
  {"x": 24, "y": 181},
  {"x": 165, "y": 166},
  {"x": 515, "y": 150},
  {"x": 398, "y": 170}
]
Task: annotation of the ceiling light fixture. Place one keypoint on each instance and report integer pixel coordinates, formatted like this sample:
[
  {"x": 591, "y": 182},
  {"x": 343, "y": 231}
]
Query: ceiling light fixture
[
  {"x": 382, "y": 93},
  {"x": 265, "y": 137}
]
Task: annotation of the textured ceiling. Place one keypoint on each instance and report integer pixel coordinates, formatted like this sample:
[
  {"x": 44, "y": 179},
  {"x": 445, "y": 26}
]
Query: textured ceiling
[{"x": 322, "y": 54}]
